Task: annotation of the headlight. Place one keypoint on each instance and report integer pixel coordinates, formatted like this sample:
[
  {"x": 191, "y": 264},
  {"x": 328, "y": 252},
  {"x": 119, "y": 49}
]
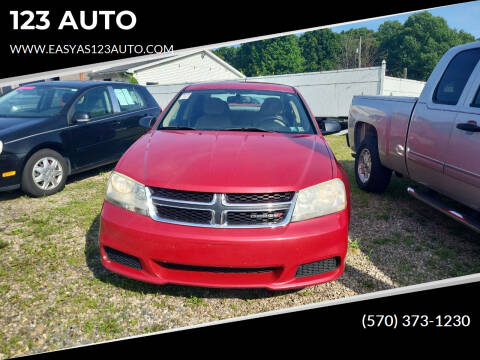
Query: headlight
[
  {"x": 126, "y": 193},
  {"x": 322, "y": 199},
  {"x": 1, "y": 146}
]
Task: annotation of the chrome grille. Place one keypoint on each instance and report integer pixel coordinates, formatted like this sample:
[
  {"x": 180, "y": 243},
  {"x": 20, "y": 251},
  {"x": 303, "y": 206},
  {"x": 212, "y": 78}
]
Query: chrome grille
[
  {"x": 255, "y": 217},
  {"x": 215, "y": 210},
  {"x": 259, "y": 198}
]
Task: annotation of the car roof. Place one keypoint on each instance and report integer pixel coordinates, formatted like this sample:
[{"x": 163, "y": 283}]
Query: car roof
[
  {"x": 78, "y": 84},
  {"x": 241, "y": 85}
]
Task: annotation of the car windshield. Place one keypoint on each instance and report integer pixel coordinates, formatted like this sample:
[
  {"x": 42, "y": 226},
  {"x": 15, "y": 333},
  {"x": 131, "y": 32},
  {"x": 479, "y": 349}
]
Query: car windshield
[
  {"x": 238, "y": 110},
  {"x": 35, "y": 101}
]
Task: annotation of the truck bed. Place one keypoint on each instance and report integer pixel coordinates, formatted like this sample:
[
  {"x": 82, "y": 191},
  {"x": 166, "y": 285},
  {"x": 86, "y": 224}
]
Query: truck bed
[{"x": 390, "y": 115}]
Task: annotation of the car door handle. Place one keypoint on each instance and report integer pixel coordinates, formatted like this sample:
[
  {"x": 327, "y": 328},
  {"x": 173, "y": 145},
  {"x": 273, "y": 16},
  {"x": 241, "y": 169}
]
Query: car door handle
[{"x": 469, "y": 126}]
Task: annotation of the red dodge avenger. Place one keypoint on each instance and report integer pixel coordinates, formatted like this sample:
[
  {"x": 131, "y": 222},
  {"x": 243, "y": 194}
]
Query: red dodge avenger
[{"x": 233, "y": 186}]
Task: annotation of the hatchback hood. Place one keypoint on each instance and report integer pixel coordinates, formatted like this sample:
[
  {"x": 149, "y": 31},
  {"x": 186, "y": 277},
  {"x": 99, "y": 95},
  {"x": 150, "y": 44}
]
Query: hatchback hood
[
  {"x": 220, "y": 161},
  {"x": 12, "y": 128}
]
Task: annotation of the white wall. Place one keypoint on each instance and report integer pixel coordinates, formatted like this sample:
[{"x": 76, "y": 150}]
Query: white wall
[
  {"x": 402, "y": 87},
  {"x": 194, "y": 68},
  {"x": 164, "y": 93},
  {"x": 330, "y": 93}
]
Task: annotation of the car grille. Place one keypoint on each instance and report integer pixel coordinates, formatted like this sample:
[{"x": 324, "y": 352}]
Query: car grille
[
  {"x": 182, "y": 195},
  {"x": 221, "y": 210},
  {"x": 255, "y": 217},
  {"x": 317, "y": 267},
  {"x": 218, "y": 270},
  {"x": 259, "y": 198},
  {"x": 185, "y": 215}
]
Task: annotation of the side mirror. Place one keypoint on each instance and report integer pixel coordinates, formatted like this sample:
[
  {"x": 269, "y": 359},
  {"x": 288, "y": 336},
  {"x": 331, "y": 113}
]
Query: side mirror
[
  {"x": 81, "y": 117},
  {"x": 147, "y": 122},
  {"x": 328, "y": 126}
]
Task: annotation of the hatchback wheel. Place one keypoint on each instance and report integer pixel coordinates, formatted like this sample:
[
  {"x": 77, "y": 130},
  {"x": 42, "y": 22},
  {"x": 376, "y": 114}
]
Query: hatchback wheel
[{"x": 44, "y": 174}]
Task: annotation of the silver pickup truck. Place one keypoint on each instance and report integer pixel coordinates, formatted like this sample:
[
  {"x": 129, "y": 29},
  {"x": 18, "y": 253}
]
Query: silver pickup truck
[{"x": 433, "y": 140}]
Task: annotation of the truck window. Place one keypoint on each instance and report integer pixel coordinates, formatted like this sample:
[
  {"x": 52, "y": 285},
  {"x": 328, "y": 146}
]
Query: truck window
[
  {"x": 476, "y": 101},
  {"x": 455, "y": 77}
]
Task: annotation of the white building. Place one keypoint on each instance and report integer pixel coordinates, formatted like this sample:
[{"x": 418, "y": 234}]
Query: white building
[{"x": 188, "y": 68}]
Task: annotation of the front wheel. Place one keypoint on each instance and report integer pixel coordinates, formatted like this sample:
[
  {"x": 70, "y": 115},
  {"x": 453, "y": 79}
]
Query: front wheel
[
  {"x": 370, "y": 174},
  {"x": 45, "y": 173}
]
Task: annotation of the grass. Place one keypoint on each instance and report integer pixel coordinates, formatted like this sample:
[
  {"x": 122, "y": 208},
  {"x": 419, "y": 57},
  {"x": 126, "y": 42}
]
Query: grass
[
  {"x": 194, "y": 301},
  {"x": 354, "y": 246},
  {"x": 50, "y": 271}
]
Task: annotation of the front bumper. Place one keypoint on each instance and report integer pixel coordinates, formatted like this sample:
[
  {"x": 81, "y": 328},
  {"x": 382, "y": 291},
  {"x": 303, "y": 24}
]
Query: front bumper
[
  {"x": 9, "y": 163},
  {"x": 169, "y": 253}
]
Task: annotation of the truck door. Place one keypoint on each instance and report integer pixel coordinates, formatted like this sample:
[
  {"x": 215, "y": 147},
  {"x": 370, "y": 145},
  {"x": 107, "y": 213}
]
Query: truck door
[
  {"x": 462, "y": 163},
  {"x": 433, "y": 121}
]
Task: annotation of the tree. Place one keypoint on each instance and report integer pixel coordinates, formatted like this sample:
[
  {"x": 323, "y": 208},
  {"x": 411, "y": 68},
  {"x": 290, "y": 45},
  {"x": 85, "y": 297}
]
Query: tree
[
  {"x": 418, "y": 44},
  {"x": 320, "y": 50},
  {"x": 228, "y": 54},
  {"x": 248, "y": 59},
  {"x": 131, "y": 78},
  {"x": 350, "y": 47},
  {"x": 281, "y": 55}
]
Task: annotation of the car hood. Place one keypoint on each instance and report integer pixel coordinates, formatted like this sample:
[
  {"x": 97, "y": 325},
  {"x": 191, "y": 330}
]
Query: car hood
[
  {"x": 12, "y": 128},
  {"x": 220, "y": 161}
]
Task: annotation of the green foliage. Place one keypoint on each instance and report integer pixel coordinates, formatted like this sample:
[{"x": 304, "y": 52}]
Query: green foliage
[
  {"x": 282, "y": 56},
  {"x": 417, "y": 45},
  {"x": 229, "y": 54},
  {"x": 320, "y": 49},
  {"x": 272, "y": 56},
  {"x": 350, "y": 43},
  {"x": 131, "y": 79}
]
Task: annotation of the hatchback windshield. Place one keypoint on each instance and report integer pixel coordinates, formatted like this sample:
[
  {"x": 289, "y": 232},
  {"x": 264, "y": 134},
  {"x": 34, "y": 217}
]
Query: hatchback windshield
[
  {"x": 242, "y": 110},
  {"x": 35, "y": 101}
]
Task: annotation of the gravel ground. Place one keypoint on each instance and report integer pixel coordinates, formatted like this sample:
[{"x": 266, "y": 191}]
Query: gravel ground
[{"x": 54, "y": 293}]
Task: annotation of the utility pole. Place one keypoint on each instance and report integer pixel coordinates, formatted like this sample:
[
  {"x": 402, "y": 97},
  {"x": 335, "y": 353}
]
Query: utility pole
[{"x": 360, "y": 52}]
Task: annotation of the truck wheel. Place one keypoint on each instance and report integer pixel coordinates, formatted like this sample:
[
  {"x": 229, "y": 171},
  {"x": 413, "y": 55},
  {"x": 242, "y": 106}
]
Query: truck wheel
[
  {"x": 45, "y": 173},
  {"x": 370, "y": 174}
]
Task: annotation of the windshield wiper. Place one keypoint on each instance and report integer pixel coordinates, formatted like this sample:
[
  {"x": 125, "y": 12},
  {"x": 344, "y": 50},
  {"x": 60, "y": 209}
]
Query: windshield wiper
[
  {"x": 248, "y": 129},
  {"x": 175, "y": 128}
]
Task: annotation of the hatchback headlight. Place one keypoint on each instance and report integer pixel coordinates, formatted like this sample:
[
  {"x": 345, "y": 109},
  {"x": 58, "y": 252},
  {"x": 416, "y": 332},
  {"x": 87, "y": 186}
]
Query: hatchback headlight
[
  {"x": 1, "y": 146},
  {"x": 322, "y": 199},
  {"x": 126, "y": 193}
]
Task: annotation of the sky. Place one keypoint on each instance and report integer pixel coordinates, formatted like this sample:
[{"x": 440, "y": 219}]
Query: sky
[{"x": 464, "y": 16}]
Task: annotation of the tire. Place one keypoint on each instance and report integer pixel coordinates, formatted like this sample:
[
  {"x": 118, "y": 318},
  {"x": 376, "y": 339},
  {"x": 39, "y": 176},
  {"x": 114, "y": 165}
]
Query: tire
[
  {"x": 377, "y": 177},
  {"x": 36, "y": 182}
]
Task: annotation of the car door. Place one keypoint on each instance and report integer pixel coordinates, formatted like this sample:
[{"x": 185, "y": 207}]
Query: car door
[
  {"x": 433, "y": 121},
  {"x": 462, "y": 166},
  {"x": 132, "y": 107},
  {"x": 92, "y": 128}
]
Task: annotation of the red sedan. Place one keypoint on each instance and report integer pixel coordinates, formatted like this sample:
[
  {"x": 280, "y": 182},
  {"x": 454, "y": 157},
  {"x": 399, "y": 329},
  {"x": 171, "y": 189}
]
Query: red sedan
[{"x": 233, "y": 186}]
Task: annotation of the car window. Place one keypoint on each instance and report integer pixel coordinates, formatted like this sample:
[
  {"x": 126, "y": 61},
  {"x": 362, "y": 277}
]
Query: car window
[
  {"x": 455, "y": 77},
  {"x": 95, "y": 103},
  {"x": 237, "y": 109},
  {"x": 128, "y": 98},
  {"x": 61, "y": 97},
  {"x": 35, "y": 101}
]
